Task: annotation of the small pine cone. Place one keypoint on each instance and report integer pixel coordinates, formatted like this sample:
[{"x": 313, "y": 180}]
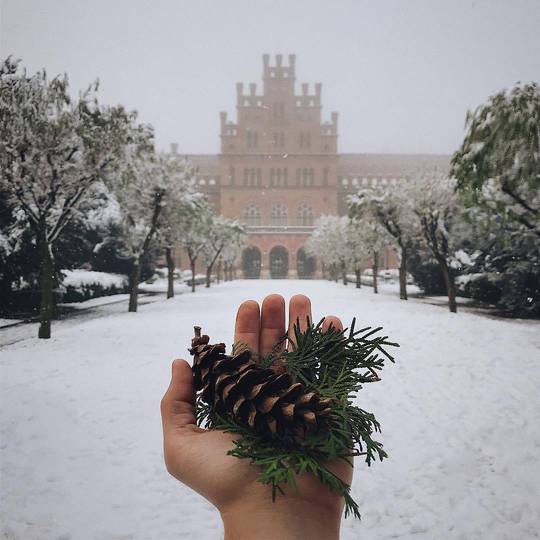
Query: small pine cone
[{"x": 269, "y": 402}]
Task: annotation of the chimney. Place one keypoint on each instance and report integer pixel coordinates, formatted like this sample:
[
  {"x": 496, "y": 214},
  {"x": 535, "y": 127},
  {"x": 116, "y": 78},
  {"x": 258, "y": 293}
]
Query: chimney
[
  {"x": 292, "y": 61},
  {"x": 239, "y": 91},
  {"x": 266, "y": 60},
  {"x": 174, "y": 148},
  {"x": 305, "y": 89},
  {"x": 318, "y": 87},
  {"x": 335, "y": 121},
  {"x": 223, "y": 119},
  {"x": 279, "y": 60},
  {"x": 252, "y": 88}
]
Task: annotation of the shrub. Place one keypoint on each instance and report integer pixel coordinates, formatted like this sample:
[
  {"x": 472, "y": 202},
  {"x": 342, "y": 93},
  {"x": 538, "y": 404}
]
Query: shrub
[{"x": 88, "y": 291}]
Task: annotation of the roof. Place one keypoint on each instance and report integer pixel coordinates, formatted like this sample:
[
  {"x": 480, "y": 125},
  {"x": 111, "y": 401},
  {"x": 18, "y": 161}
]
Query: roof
[{"x": 390, "y": 165}]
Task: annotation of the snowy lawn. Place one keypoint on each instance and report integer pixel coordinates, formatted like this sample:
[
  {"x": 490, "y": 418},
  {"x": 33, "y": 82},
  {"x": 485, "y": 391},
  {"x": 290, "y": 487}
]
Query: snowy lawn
[{"x": 80, "y": 432}]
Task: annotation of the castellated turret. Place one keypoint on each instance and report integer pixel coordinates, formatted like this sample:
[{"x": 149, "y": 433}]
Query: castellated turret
[{"x": 278, "y": 120}]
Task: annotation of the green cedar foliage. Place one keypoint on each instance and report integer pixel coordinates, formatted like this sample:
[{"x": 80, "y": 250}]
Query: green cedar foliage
[{"x": 335, "y": 364}]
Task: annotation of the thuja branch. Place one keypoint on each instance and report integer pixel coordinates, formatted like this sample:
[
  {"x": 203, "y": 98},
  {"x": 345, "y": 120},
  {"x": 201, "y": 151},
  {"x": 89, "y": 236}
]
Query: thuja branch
[{"x": 294, "y": 411}]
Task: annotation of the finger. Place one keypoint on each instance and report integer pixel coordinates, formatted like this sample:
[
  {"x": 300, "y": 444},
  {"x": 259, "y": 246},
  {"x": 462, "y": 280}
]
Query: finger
[
  {"x": 272, "y": 323},
  {"x": 177, "y": 405},
  {"x": 331, "y": 321},
  {"x": 247, "y": 327},
  {"x": 299, "y": 312}
]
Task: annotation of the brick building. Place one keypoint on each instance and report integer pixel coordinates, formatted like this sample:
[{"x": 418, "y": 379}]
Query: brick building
[{"x": 279, "y": 169}]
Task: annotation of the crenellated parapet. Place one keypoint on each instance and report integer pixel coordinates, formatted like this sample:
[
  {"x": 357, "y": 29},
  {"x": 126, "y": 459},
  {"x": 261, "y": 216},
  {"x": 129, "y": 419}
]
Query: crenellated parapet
[
  {"x": 277, "y": 119},
  {"x": 279, "y": 70}
]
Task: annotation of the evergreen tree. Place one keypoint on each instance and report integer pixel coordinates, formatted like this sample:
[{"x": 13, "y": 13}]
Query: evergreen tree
[{"x": 55, "y": 151}]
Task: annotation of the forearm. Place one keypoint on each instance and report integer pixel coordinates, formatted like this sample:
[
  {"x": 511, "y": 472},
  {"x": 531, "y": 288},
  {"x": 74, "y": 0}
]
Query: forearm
[{"x": 286, "y": 520}]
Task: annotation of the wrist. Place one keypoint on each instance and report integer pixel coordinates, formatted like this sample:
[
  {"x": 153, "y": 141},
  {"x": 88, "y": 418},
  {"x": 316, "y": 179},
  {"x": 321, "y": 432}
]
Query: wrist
[{"x": 285, "y": 519}]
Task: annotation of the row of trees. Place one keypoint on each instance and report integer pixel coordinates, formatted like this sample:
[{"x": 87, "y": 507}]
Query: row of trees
[
  {"x": 83, "y": 181},
  {"x": 480, "y": 221}
]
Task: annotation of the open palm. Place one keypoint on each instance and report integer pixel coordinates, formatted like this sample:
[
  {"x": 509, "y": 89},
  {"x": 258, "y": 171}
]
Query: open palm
[{"x": 198, "y": 457}]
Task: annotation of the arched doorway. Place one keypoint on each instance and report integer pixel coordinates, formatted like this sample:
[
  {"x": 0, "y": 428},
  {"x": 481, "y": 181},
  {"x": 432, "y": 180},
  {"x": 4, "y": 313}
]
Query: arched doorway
[
  {"x": 251, "y": 262},
  {"x": 305, "y": 264},
  {"x": 279, "y": 262}
]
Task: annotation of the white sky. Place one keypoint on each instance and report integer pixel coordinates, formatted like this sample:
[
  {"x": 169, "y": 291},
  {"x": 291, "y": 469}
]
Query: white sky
[{"x": 402, "y": 74}]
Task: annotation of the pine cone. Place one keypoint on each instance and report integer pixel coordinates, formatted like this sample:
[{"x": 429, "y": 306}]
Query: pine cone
[{"x": 267, "y": 401}]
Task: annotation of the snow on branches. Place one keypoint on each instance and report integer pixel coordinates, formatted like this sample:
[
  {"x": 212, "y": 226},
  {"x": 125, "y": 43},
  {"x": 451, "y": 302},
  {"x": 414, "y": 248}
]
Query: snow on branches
[
  {"x": 498, "y": 163},
  {"x": 56, "y": 154}
]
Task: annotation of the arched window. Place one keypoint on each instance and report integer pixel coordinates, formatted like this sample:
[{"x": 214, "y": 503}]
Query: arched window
[
  {"x": 252, "y": 215},
  {"x": 278, "y": 214},
  {"x": 305, "y": 215}
]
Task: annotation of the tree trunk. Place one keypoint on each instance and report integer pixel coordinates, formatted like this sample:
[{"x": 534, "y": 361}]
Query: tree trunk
[
  {"x": 450, "y": 285},
  {"x": 358, "y": 278},
  {"x": 218, "y": 273},
  {"x": 334, "y": 275},
  {"x": 209, "y": 275},
  {"x": 375, "y": 270},
  {"x": 403, "y": 275},
  {"x": 192, "y": 265},
  {"x": 46, "y": 284},
  {"x": 134, "y": 286},
  {"x": 344, "y": 272},
  {"x": 170, "y": 271}
]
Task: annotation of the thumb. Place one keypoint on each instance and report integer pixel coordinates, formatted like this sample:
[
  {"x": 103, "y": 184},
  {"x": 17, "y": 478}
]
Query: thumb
[{"x": 177, "y": 405}]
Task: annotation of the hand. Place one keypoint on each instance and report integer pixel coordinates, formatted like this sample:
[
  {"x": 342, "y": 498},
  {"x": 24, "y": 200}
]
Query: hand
[{"x": 198, "y": 457}]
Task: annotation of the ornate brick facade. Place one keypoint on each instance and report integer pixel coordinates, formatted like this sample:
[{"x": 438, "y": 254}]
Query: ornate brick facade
[{"x": 279, "y": 169}]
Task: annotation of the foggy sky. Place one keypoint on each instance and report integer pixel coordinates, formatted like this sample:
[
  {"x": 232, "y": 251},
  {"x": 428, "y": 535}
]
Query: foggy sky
[{"x": 402, "y": 74}]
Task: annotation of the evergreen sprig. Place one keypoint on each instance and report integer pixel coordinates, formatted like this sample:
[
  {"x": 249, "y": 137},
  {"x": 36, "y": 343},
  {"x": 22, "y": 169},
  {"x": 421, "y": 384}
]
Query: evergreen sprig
[{"x": 335, "y": 364}]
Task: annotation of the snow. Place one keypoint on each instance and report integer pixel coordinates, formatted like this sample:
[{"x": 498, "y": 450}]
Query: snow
[
  {"x": 78, "y": 278},
  {"x": 81, "y": 453},
  {"x": 94, "y": 302},
  {"x": 8, "y": 322}
]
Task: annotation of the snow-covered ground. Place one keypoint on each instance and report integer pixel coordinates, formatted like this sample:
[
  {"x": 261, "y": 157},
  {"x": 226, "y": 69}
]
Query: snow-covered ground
[
  {"x": 78, "y": 278},
  {"x": 81, "y": 453}
]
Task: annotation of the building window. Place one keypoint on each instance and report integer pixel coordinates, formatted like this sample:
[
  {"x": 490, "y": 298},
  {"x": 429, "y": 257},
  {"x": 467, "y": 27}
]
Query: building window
[
  {"x": 279, "y": 110},
  {"x": 308, "y": 177},
  {"x": 298, "y": 176},
  {"x": 231, "y": 176},
  {"x": 252, "y": 139},
  {"x": 252, "y": 215},
  {"x": 259, "y": 177},
  {"x": 278, "y": 177},
  {"x": 305, "y": 140},
  {"x": 278, "y": 214},
  {"x": 325, "y": 176},
  {"x": 305, "y": 215},
  {"x": 246, "y": 177}
]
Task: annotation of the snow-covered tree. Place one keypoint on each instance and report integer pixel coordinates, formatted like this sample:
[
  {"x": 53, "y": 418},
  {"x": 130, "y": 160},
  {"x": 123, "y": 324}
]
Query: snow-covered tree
[
  {"x": 498, "y": 174},
  {"x": 148, "y": 185},
  {"x": 195, "y": 226},
  {"x": 181, "y": 199},
  {"x": 355, "y": 247},
  {"x": 392, "y": 208},
  {"x": 222, "y": 233},
  {"x": 436, "y": 206},
  {"x": 498, "y": 163},
  {"x": 230, "y": 254},
  {"x": 330, "y": 237},
  {"x": 55, "y": 154},
  {"x": 373, "y": 238}
]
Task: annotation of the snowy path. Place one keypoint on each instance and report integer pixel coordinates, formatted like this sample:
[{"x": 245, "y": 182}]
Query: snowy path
[{"x": 80, "y": 448}]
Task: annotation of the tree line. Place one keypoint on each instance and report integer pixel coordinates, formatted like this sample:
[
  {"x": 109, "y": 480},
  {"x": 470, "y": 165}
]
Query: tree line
[
  {"x": 476, "y": 225},
  {"x": 81, "y": 181}
]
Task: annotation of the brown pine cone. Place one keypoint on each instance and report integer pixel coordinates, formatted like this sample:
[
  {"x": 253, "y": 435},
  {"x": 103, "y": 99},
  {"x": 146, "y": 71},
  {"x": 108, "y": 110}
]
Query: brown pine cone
[{"x": 266, "y": 400}]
